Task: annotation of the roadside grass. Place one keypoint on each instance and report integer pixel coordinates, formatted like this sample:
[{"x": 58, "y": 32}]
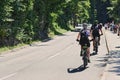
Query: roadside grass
[
  {"x": 7, "y": 48},
  {"x": 52, "y": 33},
  {"x": 58, "y": 31}
]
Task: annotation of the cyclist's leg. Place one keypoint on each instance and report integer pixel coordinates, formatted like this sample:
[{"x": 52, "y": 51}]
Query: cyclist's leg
[
  {"x": 88, "y": 53},
  {"x": 93, "y": 43},
  {"x": 81, "y": 51},
  {"x": 99, "y": 40},
  {"x": 118, "y": 32}
]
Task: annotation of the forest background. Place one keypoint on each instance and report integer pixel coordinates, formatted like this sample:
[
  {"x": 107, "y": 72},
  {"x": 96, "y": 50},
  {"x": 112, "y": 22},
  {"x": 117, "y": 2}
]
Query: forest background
[{"x": 25, "y": 21}]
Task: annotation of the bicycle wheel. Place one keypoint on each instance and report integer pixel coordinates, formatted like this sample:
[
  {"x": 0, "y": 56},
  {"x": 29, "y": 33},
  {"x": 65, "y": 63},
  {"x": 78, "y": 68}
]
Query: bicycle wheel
[
  {"x": 96, "y": 45},
  {"x": 85, "y": 60}
]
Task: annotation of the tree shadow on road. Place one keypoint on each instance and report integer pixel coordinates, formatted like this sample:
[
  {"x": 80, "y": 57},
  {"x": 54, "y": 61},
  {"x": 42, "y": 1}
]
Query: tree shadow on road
[
  {"x": 38, "y": 45},
  {"x": 117, "y": 47},
  {"x": 101, "y": 62},
  {"x": 115, "y": 61},
  {"x": 74, "y": 70},
  {"x": 116, "y": 69}
]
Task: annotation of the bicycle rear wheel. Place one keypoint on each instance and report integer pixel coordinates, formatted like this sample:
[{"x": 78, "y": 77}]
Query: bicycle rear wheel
[
  {"x": 85, "y": 60},
  {"x": 96, "y": 45}
]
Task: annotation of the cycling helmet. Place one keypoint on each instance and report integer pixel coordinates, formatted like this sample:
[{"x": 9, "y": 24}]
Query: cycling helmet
[
  {"x": 101, "y": 24},
  {"x": 84, "y": 25}
]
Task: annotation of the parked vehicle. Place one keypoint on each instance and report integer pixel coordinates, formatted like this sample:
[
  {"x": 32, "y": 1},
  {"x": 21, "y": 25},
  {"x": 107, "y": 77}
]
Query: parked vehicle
[
  {"x": 79, "y": 27},
  {"x": 89, "y": 26}
]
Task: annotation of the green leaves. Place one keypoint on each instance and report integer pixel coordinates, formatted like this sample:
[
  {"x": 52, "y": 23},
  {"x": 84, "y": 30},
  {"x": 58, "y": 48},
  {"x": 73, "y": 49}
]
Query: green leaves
[
  {"x": 27, "y": 20},
  {"x": 116, "y": 10}
]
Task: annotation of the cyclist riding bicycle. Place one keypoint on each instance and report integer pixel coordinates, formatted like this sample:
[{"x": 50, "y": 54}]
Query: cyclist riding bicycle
[
  {"x": 95, "y": 30},
  {"x": 83, "y": 39}
]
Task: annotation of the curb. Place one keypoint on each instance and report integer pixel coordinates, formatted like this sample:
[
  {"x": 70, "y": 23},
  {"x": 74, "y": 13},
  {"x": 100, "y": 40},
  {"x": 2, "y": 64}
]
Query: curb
[{"x": 105, "y": 69}]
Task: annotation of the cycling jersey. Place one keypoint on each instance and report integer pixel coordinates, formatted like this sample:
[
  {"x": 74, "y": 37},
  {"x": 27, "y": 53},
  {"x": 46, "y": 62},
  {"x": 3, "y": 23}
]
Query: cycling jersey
[
  {"x": 84, "y": 38},
  {"x": 95, "y": 31}
]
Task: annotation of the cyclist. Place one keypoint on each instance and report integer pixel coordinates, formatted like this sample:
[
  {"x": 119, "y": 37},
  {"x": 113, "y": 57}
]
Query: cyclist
[
  {"x": 95, "y": 31},
  {"x": 119, "y": 29},
  {"x": 83, "y": 39}
]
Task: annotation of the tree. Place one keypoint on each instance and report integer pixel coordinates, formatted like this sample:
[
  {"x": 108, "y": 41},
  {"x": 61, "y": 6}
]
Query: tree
[
  {"x": 5, "y": 21},
  {"x": 116, "y": 10}
]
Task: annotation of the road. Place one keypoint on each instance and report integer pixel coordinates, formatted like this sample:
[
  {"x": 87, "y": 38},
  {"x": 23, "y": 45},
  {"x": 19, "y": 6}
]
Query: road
[{"x": 57, "y": 59}]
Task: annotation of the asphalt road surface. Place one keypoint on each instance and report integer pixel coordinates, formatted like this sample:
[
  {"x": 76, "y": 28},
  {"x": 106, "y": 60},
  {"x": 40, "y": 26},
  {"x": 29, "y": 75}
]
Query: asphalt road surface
[{"x": 57, "y": 59}]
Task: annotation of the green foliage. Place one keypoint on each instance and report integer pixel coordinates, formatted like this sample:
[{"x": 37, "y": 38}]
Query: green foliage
[
  {"x": 22, "y": 21},
  {"x": 25, "y": 20},
  {"x": 116, "y": 10}
]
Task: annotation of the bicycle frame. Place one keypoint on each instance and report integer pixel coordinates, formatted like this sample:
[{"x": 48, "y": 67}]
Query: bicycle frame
[{"x": 85, "y": 56}]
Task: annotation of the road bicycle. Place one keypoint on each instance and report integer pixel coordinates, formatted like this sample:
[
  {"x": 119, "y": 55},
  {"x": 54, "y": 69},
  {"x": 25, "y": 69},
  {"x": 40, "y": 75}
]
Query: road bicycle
[
  {"x": 84, "y": 55},
  {"x": 96, "y": 45}
]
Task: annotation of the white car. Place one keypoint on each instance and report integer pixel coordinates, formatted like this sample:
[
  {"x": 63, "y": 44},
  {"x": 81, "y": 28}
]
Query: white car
[
  {"x": 89, "y": 26},
  {"x": 79, "y": 27}
]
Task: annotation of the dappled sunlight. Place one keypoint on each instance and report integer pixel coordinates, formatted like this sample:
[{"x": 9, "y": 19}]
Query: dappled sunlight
[{"x": 114, "y": 59}]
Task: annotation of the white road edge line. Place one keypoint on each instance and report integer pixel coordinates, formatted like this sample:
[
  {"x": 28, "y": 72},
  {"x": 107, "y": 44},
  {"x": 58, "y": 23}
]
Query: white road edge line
[
  {"x": 53, "y": 56},
  {"x": 8, "y": 76}
]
